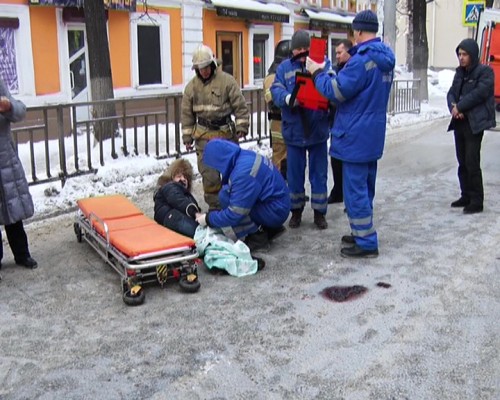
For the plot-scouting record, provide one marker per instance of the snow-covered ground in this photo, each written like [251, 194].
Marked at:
[132, 174]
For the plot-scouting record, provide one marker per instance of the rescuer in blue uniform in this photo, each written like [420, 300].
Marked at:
[361, 92]
[305, 133]
[254, 199]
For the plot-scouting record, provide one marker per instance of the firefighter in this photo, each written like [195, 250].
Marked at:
[209, 101]
[281, 52]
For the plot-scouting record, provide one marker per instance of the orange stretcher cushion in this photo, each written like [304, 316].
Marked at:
[108, 207]
[130, 231]
[120, 224]
[148, 239]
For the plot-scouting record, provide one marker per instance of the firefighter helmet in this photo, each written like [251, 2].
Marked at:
[282, 50]
[203, 57]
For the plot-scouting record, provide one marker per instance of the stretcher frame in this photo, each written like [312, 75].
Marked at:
[177, 262]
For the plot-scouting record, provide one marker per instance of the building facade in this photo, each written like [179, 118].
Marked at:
[151, 44]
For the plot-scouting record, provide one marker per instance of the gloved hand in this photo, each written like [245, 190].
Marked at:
[313, 66]
[201, 218]
[189, 146]
[241, 134]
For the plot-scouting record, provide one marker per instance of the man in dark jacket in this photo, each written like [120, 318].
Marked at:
[361, 93]
[471, 103]
[342, 56]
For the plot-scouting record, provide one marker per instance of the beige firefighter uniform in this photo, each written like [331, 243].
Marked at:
[206, 114]
[277, 143]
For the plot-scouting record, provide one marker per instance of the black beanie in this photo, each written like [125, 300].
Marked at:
[365, 21]
[300, 40]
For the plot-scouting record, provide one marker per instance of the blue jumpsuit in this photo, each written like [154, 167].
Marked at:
[253, 193]
[304, 131]
[361, 93]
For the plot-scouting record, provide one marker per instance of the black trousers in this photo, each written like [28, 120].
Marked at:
[18, 241]
[468, 151]
[337, 191]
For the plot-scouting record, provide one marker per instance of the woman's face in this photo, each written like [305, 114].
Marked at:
[180, 178]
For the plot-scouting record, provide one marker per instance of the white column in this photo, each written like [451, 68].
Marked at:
[192, 35]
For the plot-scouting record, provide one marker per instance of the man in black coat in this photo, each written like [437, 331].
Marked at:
[472, 105]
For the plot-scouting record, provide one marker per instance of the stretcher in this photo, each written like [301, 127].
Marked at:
[138, 248]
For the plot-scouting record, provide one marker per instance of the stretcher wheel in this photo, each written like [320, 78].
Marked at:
[134, 296]
[78, 232]
[189, 283]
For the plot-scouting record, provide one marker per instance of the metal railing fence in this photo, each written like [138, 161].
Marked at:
[61, 144]
[404, 97]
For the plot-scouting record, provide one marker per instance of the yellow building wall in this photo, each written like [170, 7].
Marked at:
[119, 48]
[45, 49]
[212, 23]
[175, 40]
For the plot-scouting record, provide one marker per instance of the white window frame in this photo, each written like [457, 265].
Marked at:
[315, 3]
[163, 22]
[24, 52]
[260, 30]
[334, 35]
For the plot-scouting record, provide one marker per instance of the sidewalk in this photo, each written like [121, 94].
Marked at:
[433, 334]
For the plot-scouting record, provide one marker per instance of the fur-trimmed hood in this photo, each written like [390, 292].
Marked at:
[178, 166]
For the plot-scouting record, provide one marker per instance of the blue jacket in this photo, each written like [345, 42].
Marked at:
[250, 179]
[293, 119]
[361, 92]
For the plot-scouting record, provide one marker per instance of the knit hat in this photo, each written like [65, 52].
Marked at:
[300, 40]
[365, 21]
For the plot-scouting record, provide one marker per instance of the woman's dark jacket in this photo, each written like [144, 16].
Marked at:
[174, 196]
[472, 91]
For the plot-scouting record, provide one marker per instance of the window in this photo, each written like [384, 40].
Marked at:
[149, 58]
[8, 64]
[16, 55]
[150, 50]
[261, 52]
[259, 56]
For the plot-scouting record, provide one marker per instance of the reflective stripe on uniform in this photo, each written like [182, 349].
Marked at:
[239, 210]
[360, 221]
[370, 65]
[362, 232]
[256, 166]
[336, 91]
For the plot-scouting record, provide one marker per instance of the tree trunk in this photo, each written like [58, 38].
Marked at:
[409, 38]
[420, 46]
[101, 83]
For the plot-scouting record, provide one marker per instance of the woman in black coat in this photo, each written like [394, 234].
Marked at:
[175, 207]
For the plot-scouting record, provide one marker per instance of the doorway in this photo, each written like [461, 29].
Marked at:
[229, 52]
[78, 69]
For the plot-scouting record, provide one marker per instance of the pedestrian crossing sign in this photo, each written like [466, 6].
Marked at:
[471, 11]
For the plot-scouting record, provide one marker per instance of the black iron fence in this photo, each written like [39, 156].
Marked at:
[61, 144]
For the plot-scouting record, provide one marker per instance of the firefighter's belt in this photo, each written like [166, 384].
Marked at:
[214, 124]
[274, 116]
[218, 134]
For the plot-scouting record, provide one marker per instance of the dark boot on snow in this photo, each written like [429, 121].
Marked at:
[296, 219]
[319, 220]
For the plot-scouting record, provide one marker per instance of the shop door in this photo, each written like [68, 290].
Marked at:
[78, 70]
[229, 51]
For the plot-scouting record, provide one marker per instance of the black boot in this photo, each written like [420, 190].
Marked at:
[296, 218]
[260, 263]
[257, 241]
[357, 252]
[461, 202]
[319, 220]
[473, 208]
[273, 233]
